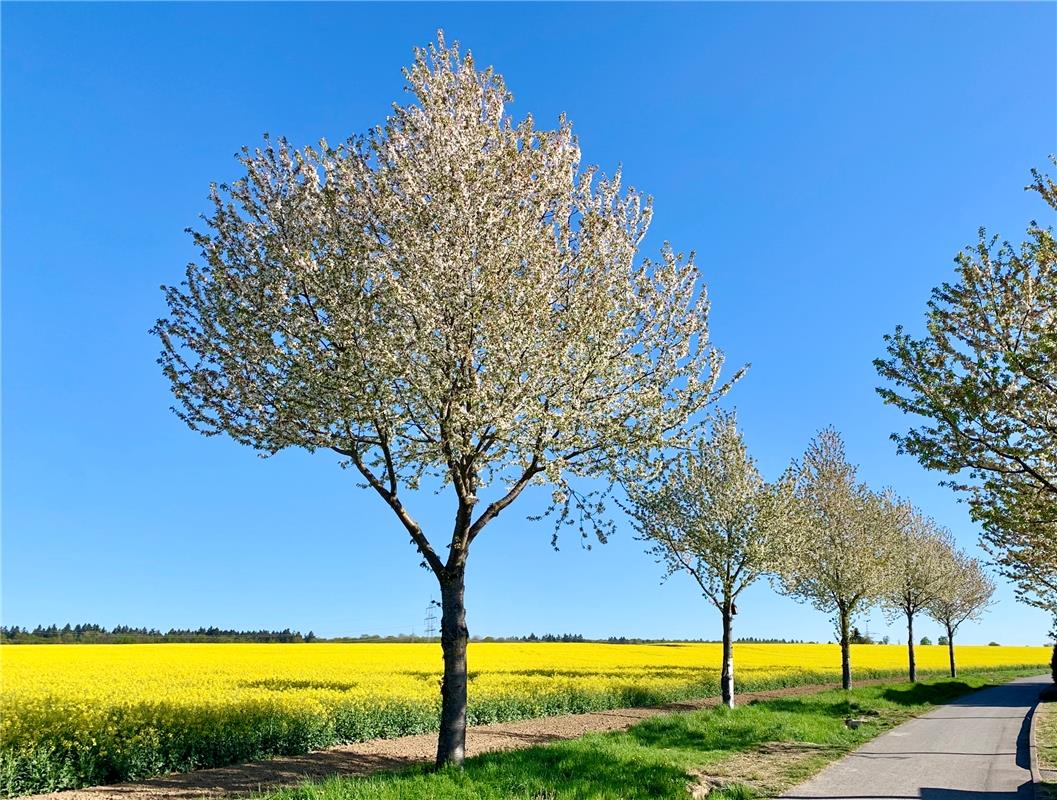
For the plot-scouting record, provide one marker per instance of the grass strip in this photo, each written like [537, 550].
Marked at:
[756, 750]
[1046, 739]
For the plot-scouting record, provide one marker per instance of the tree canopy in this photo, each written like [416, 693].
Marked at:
[451, 294]
[984, 380]
[963, 592]
[710, 514]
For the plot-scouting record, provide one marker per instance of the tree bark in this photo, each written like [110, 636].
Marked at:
[845, 649]
[726, 680]
[910, 649]
[950, 650]
[451, 743]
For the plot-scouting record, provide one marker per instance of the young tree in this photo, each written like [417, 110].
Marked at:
[451, 298]
[962, 593]
[710, 514]
[984, 378]
[835, 553]
[920, 549]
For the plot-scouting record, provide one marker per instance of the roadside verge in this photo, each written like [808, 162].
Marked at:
[1044, 770]
[773, 739]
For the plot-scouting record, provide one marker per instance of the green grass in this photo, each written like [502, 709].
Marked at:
[1047, 736]
[1046, 739]
[757, 749]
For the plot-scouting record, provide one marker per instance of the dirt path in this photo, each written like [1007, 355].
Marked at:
[375, 755]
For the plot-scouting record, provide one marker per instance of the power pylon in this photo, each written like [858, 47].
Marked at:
[431, 619]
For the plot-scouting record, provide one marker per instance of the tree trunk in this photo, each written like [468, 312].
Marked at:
[451, 743]
[845, 649]
[910, 648]
[727, 678]
[950, 650]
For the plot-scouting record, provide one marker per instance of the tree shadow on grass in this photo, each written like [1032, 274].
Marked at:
[557, 772]
[836, 707]
[930, 693]
[606, 767]
[682, 734]
[573, 772]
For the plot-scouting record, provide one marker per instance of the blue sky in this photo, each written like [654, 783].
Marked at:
[826, 162]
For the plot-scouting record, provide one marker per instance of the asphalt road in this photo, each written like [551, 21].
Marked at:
[974, 748]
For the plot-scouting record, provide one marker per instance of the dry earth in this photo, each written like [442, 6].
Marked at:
[376, 755]
[766, 769]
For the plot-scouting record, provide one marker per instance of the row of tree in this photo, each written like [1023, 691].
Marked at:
[822, 536]
[91, 633]
[454, 298]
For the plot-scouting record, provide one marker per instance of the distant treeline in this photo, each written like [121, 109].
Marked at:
[89, 633]
[553, 637]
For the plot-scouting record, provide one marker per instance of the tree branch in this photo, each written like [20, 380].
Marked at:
[413, 528]
[495, 507]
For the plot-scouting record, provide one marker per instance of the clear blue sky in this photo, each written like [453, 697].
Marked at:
[826, 161]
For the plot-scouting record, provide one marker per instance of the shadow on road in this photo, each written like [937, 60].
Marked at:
[998, 695]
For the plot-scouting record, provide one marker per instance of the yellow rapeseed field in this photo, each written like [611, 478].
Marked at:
[82, 714]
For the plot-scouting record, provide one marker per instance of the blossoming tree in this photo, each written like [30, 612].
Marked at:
[963, 593]
[921, 551]
[450, 297]
[836, 554]
[711, 515]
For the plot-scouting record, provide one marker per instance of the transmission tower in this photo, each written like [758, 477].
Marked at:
[431, 619]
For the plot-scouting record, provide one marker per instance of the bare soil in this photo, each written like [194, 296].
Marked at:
[766, 769]
[365, 758]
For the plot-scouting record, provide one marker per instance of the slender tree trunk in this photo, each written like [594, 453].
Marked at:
[950, 650]
[845, 649]
[910, 648]
[727, 678]
[451, 743]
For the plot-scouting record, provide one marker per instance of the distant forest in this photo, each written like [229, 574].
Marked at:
[89, 633]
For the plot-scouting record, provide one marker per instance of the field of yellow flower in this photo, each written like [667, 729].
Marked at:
[76, 715]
